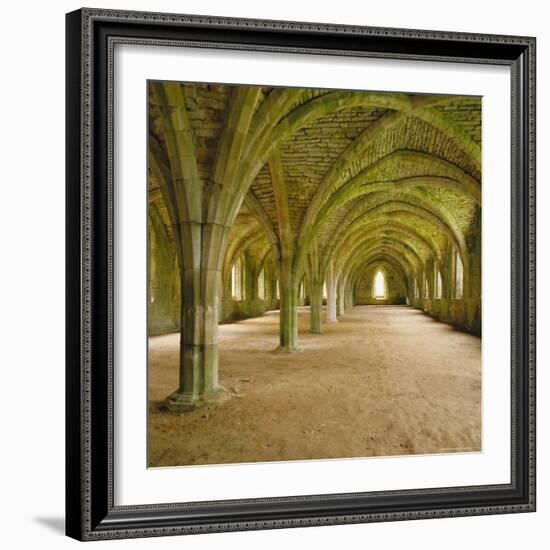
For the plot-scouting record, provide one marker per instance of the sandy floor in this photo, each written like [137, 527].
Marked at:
[384, 380]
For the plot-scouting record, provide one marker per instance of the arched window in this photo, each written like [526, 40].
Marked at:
[416, 289]
[459, 277]
[237, 280]
[261, 285]
[379, 285]
[277, 293]
[438, 285]
[301, 291]
[324, 291]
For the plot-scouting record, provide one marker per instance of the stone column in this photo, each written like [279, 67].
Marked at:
[273, 291]
[472, 281]
[250, 304]
[315, 289]
[348, 297]
[316, 303]
[340, 305]
[288, 317]
[201, 283]
[331, 294]
[250, 281]
[226, 298]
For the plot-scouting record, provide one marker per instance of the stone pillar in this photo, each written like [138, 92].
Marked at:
[331, 294]
[250, 303]
[315, 289]
[288, 318]
[348, 298]
[340, 305]
[472, 281]
[250, 281]
[276, 300]
[201, 283]
[316, 303]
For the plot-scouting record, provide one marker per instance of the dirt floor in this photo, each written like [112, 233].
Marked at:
[384, 380]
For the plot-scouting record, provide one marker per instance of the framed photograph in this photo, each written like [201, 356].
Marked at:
[300, 274]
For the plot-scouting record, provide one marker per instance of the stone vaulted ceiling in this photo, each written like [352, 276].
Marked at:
[353, 176]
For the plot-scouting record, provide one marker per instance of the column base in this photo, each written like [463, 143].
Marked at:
[189, 401]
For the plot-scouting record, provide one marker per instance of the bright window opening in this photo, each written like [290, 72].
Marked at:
[379, 285]
[237, 280]
[261, 285]
[438, 285]
[459, 278]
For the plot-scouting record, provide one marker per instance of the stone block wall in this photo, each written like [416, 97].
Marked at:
[396, 292]
[464, 313]
[164, 294]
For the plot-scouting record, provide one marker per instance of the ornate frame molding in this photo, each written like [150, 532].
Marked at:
[91, 36]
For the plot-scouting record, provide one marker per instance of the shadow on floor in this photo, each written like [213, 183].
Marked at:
[56, 524]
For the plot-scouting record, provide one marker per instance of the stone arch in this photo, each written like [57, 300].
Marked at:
[395, 283]
[380, 196]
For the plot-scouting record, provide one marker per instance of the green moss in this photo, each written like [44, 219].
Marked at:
[307, 185]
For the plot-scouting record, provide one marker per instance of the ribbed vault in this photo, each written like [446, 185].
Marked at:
[306, 190]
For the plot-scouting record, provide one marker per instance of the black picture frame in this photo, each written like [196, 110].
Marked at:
[90, 512]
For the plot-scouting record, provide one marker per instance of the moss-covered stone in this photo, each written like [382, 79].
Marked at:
[304, 188]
